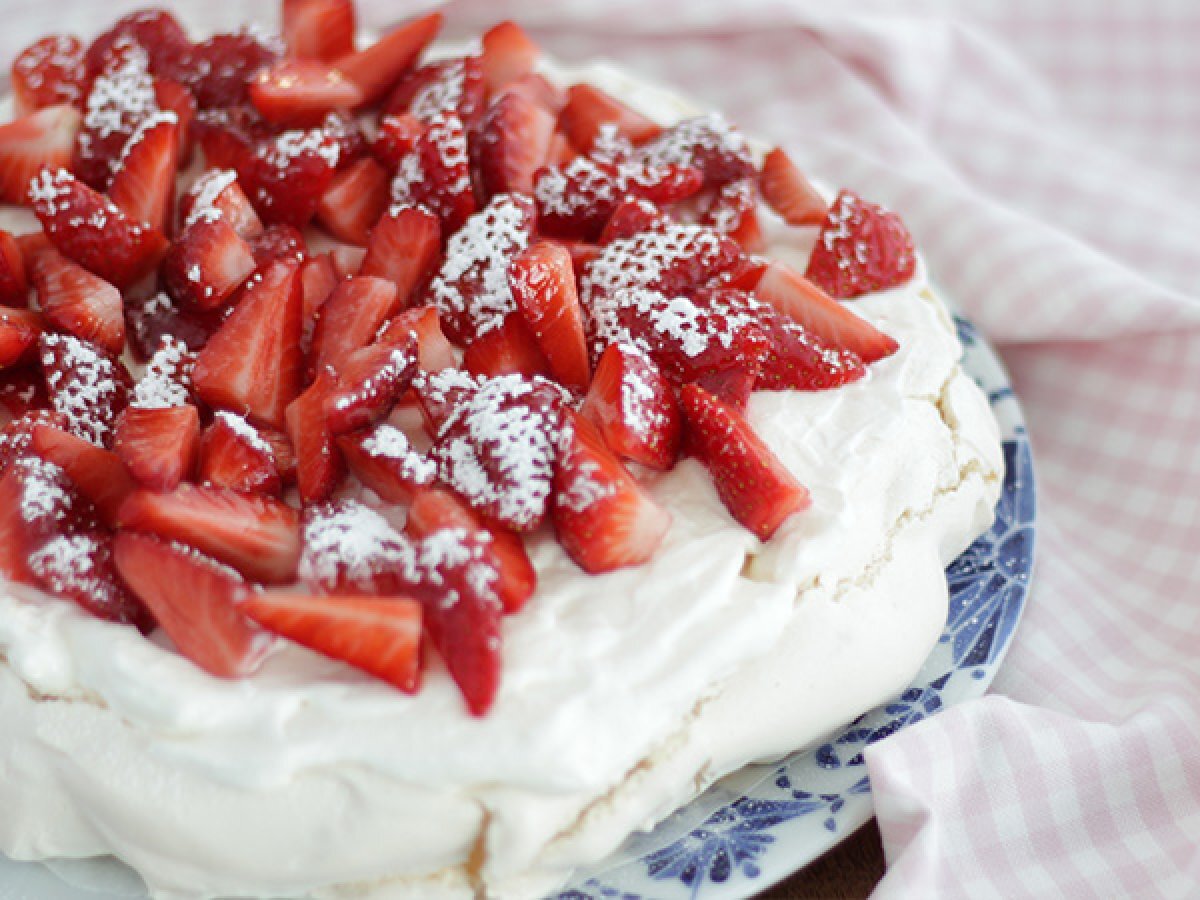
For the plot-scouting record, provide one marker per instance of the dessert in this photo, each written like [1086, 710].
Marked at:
[426, 469]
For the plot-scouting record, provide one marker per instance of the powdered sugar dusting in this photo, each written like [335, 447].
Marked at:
[245, 431]
[44, 495]
[441, 94]
[166, 383]
[84, 386]
[697, 142]
[205, 192]
[389, 442]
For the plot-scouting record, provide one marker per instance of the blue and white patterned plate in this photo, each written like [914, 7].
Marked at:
[764, 823]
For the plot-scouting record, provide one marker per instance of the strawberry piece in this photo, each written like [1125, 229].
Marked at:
[158, 445]
[634, 407]
[508, 54]
[253, 364]
[229, 137]
[732, 387]
[207, 264]
[754, 485]
[514, 143]
[707, 143]
[319, 465]
[80, 567]
[37, 503]
[440, 394]
[90, 229]
[318, 278]
[48, 72]
[860, 248]
[542, 282]
[354, 201]
[193, 598]
[155, 31]
[434, 351]
[734, 211]
[351, 549]
[173, 97]
[350, 318]
[149, 320]
[233, 454]
[821, 316]
[396, 138]
[19, 332]
[403, 248]
[220, 68]
[436, 510]
[319, 29]
[99, 474]
[78, 302]
[259, 536]
[143, 186]
[167, 380]
[589, 108]
[631, 217]
[508, 349]
[378, 67]
[603, 518]
[278, 242]
[436, 174]
[301, 92]
[87, 386]
[217, 195]
[21, 391]
[582, 254]
[285, 176]
[471, 290]
[367, 385]
[17, 435]
[44, 139]
[14, 290]
[448, 87]
[788, 192]
[282, 450]
[379, 635]
[385, 461]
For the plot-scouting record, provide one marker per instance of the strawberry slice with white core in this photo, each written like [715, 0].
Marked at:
[861, 248]
[193, 598]
[835, 325]
[259, 536]
[788, 192]
[207, 264]
[253, 364]
[78, 302]
[99, 474]
[319, 465]
[367, 385]
[88, 387]
[508, 54]
[542, 281]
[589, 108]
[514, 143]
[354, 201]
[319, 29]
[603, 518]
[755, 486]
[301, 92]
[404, 248]
[384, 460]
[378, 67]
[144, 183]
[351, 318]
[217, 195]
[634, 406]
[42, 140]
[234, 454]
[379, 635]
[508, 349]
[80, 566]
[318, 278]
[13, 286]
[434, 351]
[19, 331]
[158, 445]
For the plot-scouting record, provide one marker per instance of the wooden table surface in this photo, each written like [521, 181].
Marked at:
[850, 871]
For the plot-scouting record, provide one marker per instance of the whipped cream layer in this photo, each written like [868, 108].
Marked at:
[622, 695]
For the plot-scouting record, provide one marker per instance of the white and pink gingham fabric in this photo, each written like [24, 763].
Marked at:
[1047, 157]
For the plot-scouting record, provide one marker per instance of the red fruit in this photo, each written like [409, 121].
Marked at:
[754, 485]
[860, 248]
[17, 435]
[354, 201]
[542, 282]
[396, 138]
[379, 635]
[347, 259]
[233, 454]
[351, 549]
[87, 386]
[221, 67]
[403, 248]
[207, 264]
[631, 217]
[253, 364]
[318, 278]
[217, 195]
[173, 97]
[48, 72]
[193, 598]
[144, 184]
[508, 349]
[156, 31]
[301, 92]
[319, 465]
[158, 445]
[383, 459]
[21, 391]
[440, 394]
[368, 384]
[44, 139]
[259, 536]
[283, 451]
[588, 108]
[448, 87]
[319, 29]
[14, 290]
[508, 53]
[285, 176]
[90, 229]
[734, 211]
[821, 316]
[121, 99]
[99, 474]
[436, 174]
[148, 320]
[19, 331]
[350, 318]
[788, 192]
[37, 503]
[434, 352]
[582, 254]
[633, 405]
[514, 143]
[78, 302]
[603, 518]
[380, 66]
[80, 567]
[707, 143]
[278, 242]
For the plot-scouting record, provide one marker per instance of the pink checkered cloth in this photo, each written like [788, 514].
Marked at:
[1047, 157]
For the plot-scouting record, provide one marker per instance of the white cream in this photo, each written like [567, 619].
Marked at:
[622, 694]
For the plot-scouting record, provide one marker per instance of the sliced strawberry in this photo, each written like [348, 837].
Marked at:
[385, 461]
[90, 229]
[21, 391]
[150, 319]
[860, 248]
[220, 68]
[217, 195]
[48, 72]
[193, 598]
[350, 318]
[634, 407]
[259, 536]
[121, 100]
[37, 503]
[44, 139]
[821, 316]
[19, 332]
[396, 138]
[631, 217]
[379, 635]
[301, 92]
[155, 31]
[158, 445]
[253, 364]
[508, 54]
[434, 351]
[278, 242]
[542, 281]
[283, 451]
[582, 254]
[80, 567]
[319, 29]
[143, 186]
[380, 66]
[88, 387]
[734, 211]
[588, 108]
[754, 485]
[319, 464]
[354, 201]
[514, 143]
[351, 549]
[707, 143]
[16, 436]
[30, 245]
[368, 384]
[233, 454]
[78, 302]
[788, 192]
[436, 174]
[510, 348]
[173, 97]
[99, 474]
[447, 87]
[167, 379]
[603, 518]
[207, 264]
[347, 259]
[732, 387]
[440, 394]
[14, 289]
[285, 176]
[403, 248]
